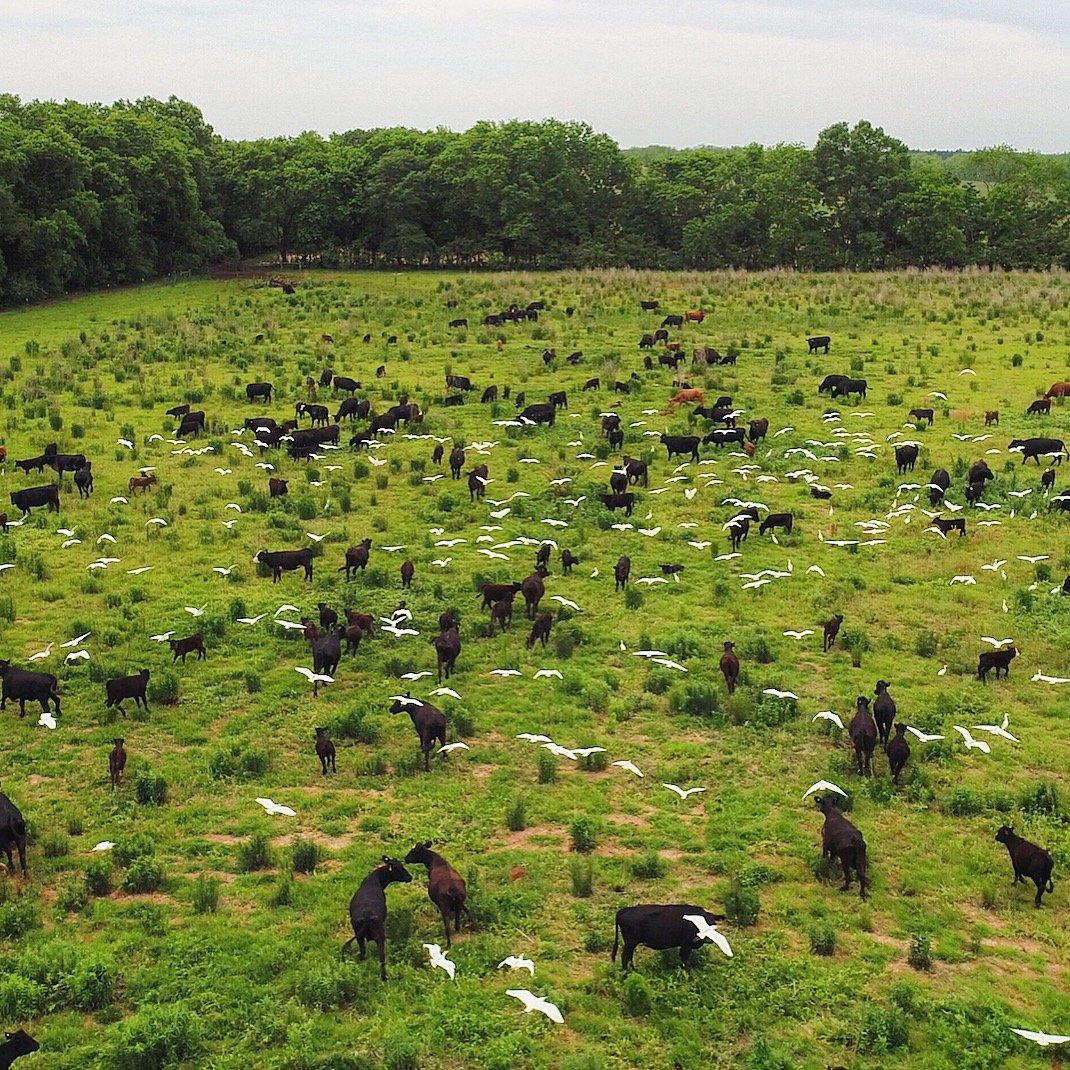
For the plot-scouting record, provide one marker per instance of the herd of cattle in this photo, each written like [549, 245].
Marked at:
[657, 926]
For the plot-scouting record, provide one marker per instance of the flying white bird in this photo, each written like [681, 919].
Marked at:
[75, 655]
[517, 962]
[450, 747]
[224, 471]
[649, 654]
[564, 602]
[824, 785]
[78, 641]
[536, 1003]
[406, 700]
[922, 736]
[700, 544]
[438, 958]
[314, 537]
[971, 743]
[105, 538]
[996, 730]
[651, 579]
[682, 792]
[1032, 560]
[802, 635]
[630, 766]
[314, 677]
[968, 580]
[706, 931]
[828, 715]
[158, 521]
[542, 673]
[651, 532]
[104, 845]
[1043, 1039]
[446, 691]
[561, 752]
[503, 672]
[669, 664]
[162, 637]
[416, 675]
[995, 642]
[193, 611]
[276, 808]
[533, 737]
[1039, 677]
[42, 654]
[779, 694]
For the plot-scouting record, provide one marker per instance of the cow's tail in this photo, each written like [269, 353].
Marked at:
[616, 939]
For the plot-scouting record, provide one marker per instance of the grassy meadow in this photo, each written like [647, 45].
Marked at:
[210, 935]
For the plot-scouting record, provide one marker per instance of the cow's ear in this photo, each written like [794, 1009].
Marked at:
[386, 859]
[427, 843]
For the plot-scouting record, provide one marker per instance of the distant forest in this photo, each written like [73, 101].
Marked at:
[94, 195]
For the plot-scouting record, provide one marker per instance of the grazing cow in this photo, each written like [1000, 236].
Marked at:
[883, 710]
[178, 410]
[621, 571]
[841, 840]
[705, 355]
[568, 559]
[849, 386]
[489, 395]
[1040, 447]
[83, 480]
[776, 520]
[821, 492]
[979, 472]
[649, 306]
[280, 561]
[317, 414]
[142, 483]
[181, 647]
[683, 445]
[974, 492]
[532, 588]
[672, 358]
[821, 342]
[521, 399]
[445, 886]
[328, 617]
[120, 688]
[730, 666]
[501, 613]
[988, 660]
[31, 464]
[991, 417]
[477, 482]
[392, 340]
[830, 383]
[694, 394]
[646, 342]
[408, 570]
[380, 372]
[456, 462]
[367, 909]
[831, 629]
[619, 501]
[1059, 390]
[540, 630]
[356, 557]
[12, 832]
[436, 454]
[661, 335]
[757, 431]
[447, 648]
[388, 421]
[22, 684]
[672, 321]
[660, 927]
[905, 456]
[428, 720]
[898, 751]
[33, 497]
[346, 384]
[495, 592]
[540, 414]
[458, 382]
[325, 750]
[730, 357]
[258, 390]
[278, 488]
[117, 761]
[693, 315]
[1041, 405]
[939, 486]
[738, 530]
[559, 399]
[863, 733]
[922, 415]
[453, 401]
[723, 436]
[353, 408]
[1027, 860]
[459, 322]
[956, 524]
[15, 1045]
[593, 384]
[610, 422]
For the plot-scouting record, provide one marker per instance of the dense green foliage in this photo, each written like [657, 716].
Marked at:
[209, 934]
[93, 195]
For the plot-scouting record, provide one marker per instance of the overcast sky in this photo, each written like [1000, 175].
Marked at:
[934, 73]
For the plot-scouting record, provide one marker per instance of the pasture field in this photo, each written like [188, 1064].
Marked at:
[210, 935]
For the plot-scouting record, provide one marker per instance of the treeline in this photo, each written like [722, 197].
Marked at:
[92, 195]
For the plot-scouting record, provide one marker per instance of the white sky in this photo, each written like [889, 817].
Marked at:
[934, 73]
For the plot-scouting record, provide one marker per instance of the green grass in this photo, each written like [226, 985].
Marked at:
[197, 942]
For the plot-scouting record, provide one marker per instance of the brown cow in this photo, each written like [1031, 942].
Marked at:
[694, 315]
[1058, 390]
[278, 487]
[692, 395]
[144, 482]
[991, 417]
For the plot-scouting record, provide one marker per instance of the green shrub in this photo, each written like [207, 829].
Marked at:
[547, 765]
[205, 897]
[159, 1035]
[127, 848]
[596, 762]
[55, 845]
[305, 856]
[1042, 798]
[741, 905]
[163, 688]
[400, 1052]
[633, 599]
[650, 867]
[583, 834]
[327, 985]
[72, 896]
[920, 955]
[21, 998]
[515, 815]
[239, 763]
[823, 938]
[254, 854]
[925, 644]
[636, 996]
[150, 788]
[93, 983]
[581, 874]
[98, 876]
[144, 874]
[695, 698]
[354, 725]
[879, 1029]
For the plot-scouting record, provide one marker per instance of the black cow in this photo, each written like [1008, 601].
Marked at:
[545, 413]
[532, 588]
[458, 382]
[317, 414]
[898, 751]
[683, 445]
[660, 926]
[863, 733]
[494, 592]
[12, 832]
[722, 436]
[459, 323]
[280, 561]
[776, 520]
[559, 399]
[621, 571]
[646, 342]
[258, 390]
[849, 386]
[661, 335]
[353, 408]
[758, 430]
[618, 480]
[593, 384]
[367, 909]
[1047, 478]
[117, 761]
[831, 628]
[191, 644]
[619, 501]
[31, 464]
[447, 650]
[738, 530]
[1040, 447]
[883, 710]
[940, 483]
[616, 438]
[730, 666]
[428, 720]
[477, 482]
[905, 456]
[356, 557]
[649, 306]
[489, 395]
[922, 415]
[325, 751]
[178, 410]
[540, 630]
[821, 342]
[15, 1045]
[830, 383]
[23, 684]
[673, 321]
[457, 458]
[956, 524]
[124, 687]
[445, 886]
[988, 660]
[83, 480]
[705, 355]
[841, 840]
[189, 426]
[568, 559]
[33, 497]
[1041, 405]
[1027, 859]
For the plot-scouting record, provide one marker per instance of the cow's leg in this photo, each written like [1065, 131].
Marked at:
[626, 955]
[1037, 881]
